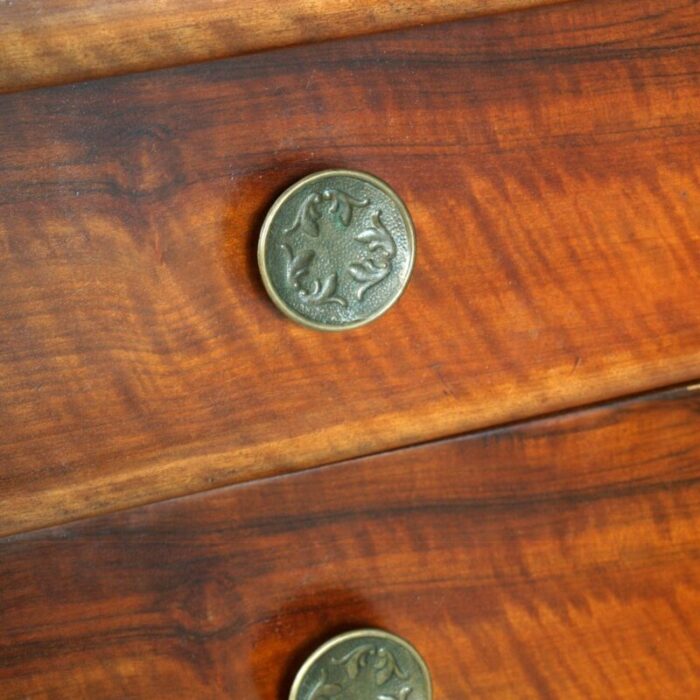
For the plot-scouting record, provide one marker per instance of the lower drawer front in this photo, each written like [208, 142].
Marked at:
[552, 559]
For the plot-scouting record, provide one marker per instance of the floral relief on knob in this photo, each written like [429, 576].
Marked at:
[364, 665]
[336, 250]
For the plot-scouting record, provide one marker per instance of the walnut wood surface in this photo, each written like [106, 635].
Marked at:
[45, 42]
[549, 159]
[553, 559]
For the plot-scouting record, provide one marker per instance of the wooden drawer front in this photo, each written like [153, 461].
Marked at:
[554, 559]
[548, 159]
[54, 41]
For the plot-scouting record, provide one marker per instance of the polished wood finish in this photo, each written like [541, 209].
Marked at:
[554, 559]
[46, 42]
[549, 161]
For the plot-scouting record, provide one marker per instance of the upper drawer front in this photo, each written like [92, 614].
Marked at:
[548, 159]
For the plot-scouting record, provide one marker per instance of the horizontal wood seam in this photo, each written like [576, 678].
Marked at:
[666, 393]
[35, 53]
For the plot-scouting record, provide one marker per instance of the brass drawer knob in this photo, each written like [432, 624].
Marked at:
[336, 250]
[363, 665]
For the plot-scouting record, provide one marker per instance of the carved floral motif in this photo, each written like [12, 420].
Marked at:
[367, 272]
[309, 214]
[369, 661]
[383, 250]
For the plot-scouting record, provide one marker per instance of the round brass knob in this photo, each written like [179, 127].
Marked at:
[363, 665]
[336, 250]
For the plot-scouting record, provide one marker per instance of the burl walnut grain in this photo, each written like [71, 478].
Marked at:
[46, 42]
[549, 160]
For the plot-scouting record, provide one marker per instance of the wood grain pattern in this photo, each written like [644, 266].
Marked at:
[554, 559]
[46, 42]
[548, 159]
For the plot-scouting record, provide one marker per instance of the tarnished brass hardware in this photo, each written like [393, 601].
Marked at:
[365, 664]
[336, 250]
